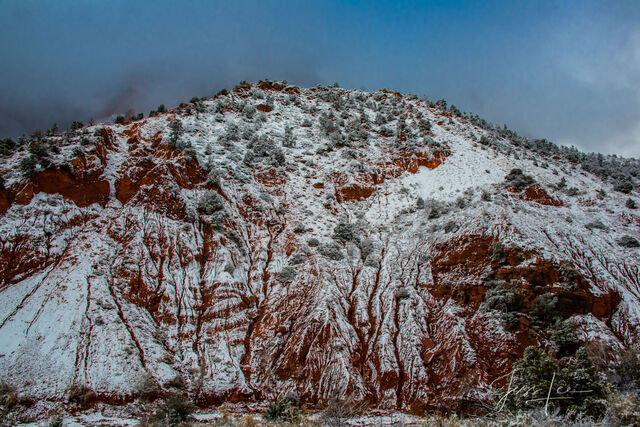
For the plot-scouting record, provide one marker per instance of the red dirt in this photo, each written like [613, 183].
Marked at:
[459, 267]
[401, 161]
[149, 183]
[535, 193]
[267, 85]
[5, 201]
[83, 190]
[271, 177]
[411, 162]
[460, 273]
[353, 192]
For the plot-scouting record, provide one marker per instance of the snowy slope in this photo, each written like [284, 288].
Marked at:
[322, 241]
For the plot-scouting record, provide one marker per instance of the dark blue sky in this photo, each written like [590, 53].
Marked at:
[566, 70]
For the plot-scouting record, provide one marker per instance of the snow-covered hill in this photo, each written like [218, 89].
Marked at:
[324, 241]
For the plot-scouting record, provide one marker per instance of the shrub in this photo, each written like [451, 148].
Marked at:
[545, 307]
[338, 411]
[573, 191]
[627, 370]
[282, 410]
[564, 335]
[77, 152]
[249, 111]
[210, 202]
[55, 421]
[403, 293]
[161, 109]
[263, 148]
[331, 251]
[28, 166]
[327, 124]
[313, 242]
[628, 242]
[175, 410]
[451, 227]
[366, 248]
[7, 146]
[435, 208]
[37, 135]
[506, 300]
[597, 224]
[178, 381]
[385, 131]
[119, 120]
[190, 153]
[461, 202]
[337, 139]
[484, 140]
[571, 386]
[277, 158]
[75, 125]
[52, 130]
[213, 178]
[175, 131]
[6, 388]
[501, 297]
[623, 185]
[231, 134]
[287, 274]
[346, 232]
[248, 158]
[579, 375]
[498, 254]
[424, 125]
[380, 119]
[80, 395]
[297, 259]
[624, 410]
[289, 139]
[562, 184]
[147, 388]
[38, 150]
[455, 111]
[517, 180]
[8, 398]
[631, 204]
[568, 273]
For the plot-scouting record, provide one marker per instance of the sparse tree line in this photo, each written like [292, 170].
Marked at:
[338, 123]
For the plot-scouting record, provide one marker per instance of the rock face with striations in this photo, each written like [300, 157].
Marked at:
[322, 241]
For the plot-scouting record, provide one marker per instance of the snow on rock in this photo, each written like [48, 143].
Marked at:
[198, 251]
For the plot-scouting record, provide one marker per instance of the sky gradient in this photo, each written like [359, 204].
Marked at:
[568, 71]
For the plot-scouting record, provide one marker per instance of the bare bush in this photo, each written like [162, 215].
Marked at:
[338, 411]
